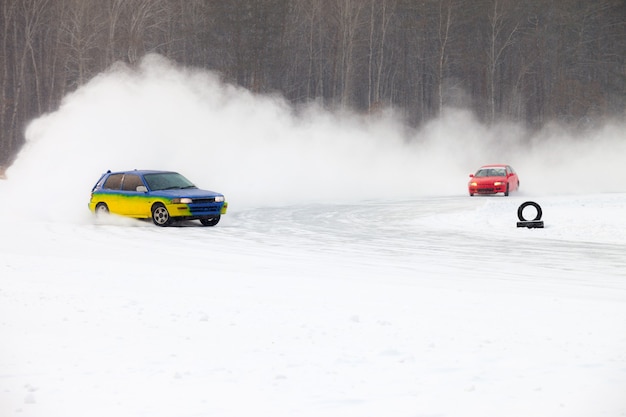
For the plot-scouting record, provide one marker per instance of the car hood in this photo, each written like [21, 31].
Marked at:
[185, 192]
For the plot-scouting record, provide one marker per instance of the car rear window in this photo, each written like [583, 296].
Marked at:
[114, 182]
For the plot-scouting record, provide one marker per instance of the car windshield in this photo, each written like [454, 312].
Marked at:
[491, 172]
[167, 181]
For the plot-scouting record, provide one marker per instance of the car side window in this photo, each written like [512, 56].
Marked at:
[114, 182]
[131, 182]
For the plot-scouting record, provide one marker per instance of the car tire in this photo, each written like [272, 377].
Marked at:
[506, 193]
[210, 221]
[101, 208]
[160, 215]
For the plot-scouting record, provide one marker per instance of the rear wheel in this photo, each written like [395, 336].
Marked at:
[102, 208]
[210, 221]
[160, 215]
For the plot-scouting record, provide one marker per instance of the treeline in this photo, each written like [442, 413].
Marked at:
[530, 61]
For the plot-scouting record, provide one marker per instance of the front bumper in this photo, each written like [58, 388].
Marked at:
[197, 210]
[487, 189]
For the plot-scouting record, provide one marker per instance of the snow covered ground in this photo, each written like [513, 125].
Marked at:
[350, 277]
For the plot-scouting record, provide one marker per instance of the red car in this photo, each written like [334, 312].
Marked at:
[493, 179]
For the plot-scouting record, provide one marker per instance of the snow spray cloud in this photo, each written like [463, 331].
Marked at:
[258, 150]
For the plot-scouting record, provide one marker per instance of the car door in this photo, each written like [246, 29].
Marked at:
[134, 198]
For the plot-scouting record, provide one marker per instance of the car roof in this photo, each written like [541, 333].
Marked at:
[141, 172]
[495, 166]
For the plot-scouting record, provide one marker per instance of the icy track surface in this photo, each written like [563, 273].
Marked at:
[428, 307]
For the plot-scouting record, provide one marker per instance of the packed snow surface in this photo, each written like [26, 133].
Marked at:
[352, 275]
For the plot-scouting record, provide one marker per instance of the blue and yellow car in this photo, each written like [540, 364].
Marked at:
[163, 196]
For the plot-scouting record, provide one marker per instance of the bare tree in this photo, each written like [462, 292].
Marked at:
[381, 16]
[501, 36]
[81, 29]
[114, 11]
[349, 24]
[30, 12]
[445, 19]
[8, 11]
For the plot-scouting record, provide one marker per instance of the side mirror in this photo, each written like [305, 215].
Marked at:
[471, 175]
[141, 189]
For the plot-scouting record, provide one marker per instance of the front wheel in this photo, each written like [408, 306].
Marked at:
[506, 193]
[210, 221]
[160, 215]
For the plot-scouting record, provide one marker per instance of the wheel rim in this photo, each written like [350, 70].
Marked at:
[160, 216]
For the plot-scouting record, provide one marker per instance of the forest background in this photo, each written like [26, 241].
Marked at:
[531, 61]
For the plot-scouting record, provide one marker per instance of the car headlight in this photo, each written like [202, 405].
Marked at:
[219, 199]
[497, 183]
[183, 200]
[474, 184]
